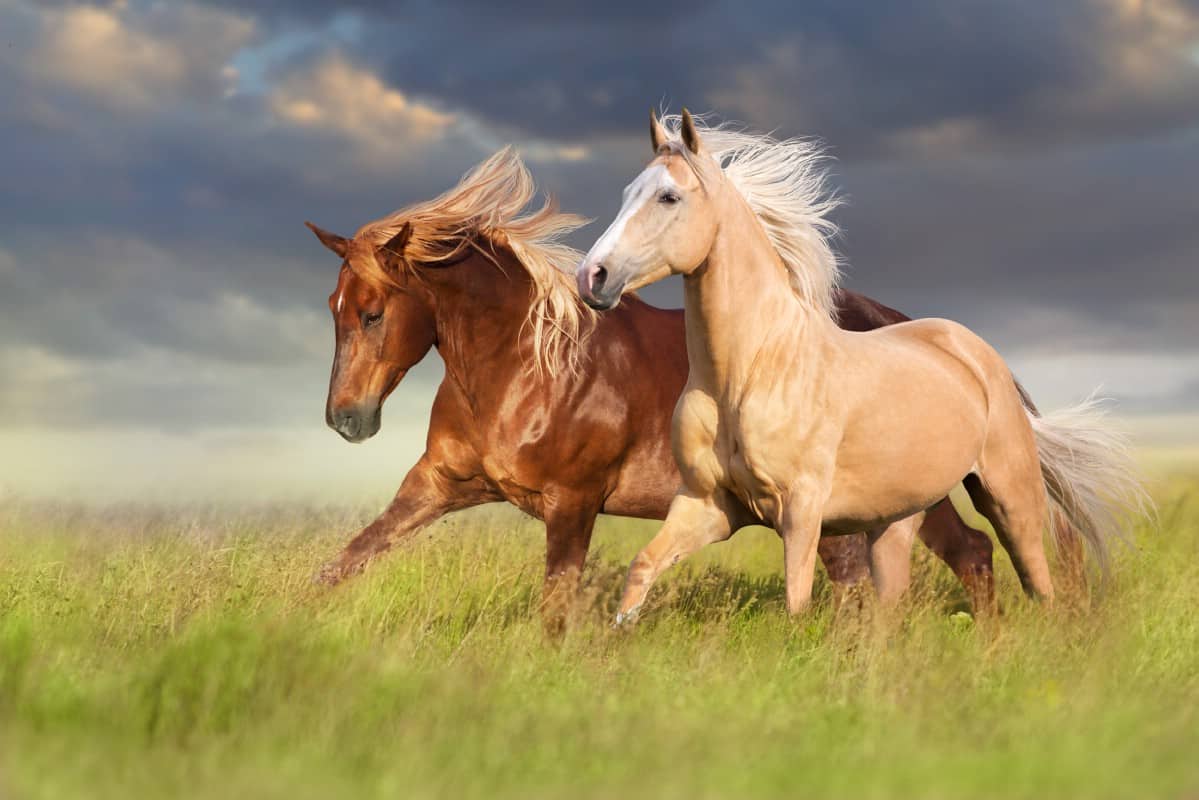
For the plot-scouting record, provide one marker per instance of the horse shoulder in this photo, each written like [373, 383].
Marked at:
[452, 442]
[694, 440]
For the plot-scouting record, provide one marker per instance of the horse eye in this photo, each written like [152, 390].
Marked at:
[668, 197]
[371, 320]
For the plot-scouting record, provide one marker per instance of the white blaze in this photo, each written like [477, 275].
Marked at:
[644, 187]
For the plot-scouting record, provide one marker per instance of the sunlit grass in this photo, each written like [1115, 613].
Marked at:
[185, 652]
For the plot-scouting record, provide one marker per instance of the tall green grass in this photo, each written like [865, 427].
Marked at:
[185, 653]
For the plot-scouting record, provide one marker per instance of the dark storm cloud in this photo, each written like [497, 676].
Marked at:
[1027, 168]
[410, 11]
[866, 76]
[154, 270]
[1107, 234]
[119, 219]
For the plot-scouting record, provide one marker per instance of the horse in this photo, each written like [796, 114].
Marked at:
[789, 419]
[544, 404]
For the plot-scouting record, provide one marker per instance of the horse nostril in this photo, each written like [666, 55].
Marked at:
[347, 424]
[598, 277]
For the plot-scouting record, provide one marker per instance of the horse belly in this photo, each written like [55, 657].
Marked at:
[648, 481]
[850, 509]
[887, 471]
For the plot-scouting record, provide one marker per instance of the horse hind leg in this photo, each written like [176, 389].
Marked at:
[967, 552]
[1014, 502]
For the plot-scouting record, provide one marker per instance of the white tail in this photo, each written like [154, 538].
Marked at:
[1090, 475]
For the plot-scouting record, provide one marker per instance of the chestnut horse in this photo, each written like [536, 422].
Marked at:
[787, 418]
[524, 413]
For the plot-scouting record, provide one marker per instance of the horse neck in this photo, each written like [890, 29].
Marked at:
[481, 307]
[740, 302]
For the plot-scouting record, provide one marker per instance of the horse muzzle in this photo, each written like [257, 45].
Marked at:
[597, 287]
[356, 423]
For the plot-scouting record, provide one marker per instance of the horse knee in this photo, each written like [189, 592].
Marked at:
[640, 568]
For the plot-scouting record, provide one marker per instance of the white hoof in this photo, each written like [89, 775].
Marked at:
[624, 618]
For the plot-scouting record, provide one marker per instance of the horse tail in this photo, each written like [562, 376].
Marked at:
[1091, 478]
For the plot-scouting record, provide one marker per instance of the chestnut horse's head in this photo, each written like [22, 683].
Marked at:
[383, 329]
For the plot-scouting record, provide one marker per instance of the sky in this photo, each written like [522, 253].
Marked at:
[1030, 169]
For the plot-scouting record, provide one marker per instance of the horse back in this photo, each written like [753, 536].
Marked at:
[857, 312]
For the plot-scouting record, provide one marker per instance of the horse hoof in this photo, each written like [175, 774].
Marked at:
[625, 619]
[329, 575]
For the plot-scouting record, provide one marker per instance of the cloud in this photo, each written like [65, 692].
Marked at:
[932, 77]
[132, 60]
[384, 125]
[101, 298]
[1036, 249]
[1026, 168]
[939, 77]
[334, 95]
[873, 79]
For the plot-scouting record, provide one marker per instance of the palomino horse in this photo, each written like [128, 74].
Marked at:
[515, 417]
[788, 419]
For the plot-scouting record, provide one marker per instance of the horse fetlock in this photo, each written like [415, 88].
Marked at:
[798, 601]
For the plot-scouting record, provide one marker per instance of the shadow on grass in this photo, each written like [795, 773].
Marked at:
[699, 595]
[715, 592]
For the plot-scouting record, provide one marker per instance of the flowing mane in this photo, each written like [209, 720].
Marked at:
[487, 204]
[785, 182]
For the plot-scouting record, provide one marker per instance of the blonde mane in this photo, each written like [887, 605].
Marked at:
[487, 203]
[786, 184]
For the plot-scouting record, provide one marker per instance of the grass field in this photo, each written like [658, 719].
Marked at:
[184, 653]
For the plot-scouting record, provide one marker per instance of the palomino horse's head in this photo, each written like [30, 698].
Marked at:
[666, 225]
[382, 329]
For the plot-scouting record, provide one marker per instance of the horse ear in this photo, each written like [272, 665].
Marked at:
[338, 244]
[396, 244]
[657, 134]
[690, 135]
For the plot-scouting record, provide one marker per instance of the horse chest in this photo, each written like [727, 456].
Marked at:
[695, 441]
[516, 458]
[753, 473]
[719, 449]
[516, 485]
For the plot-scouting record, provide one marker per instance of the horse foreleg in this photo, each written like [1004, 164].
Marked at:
[891, 558]
[425, 495]
[800, 529]
[569, 522]
[692, 522]
[800, 525]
